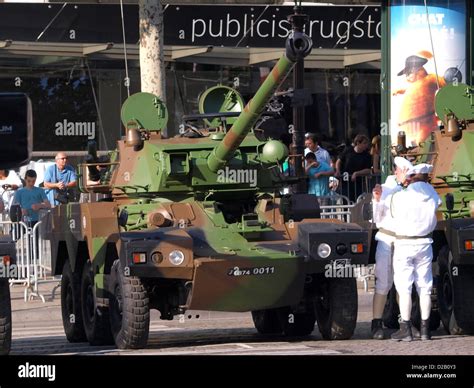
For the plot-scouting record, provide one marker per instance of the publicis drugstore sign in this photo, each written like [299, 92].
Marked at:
[267, 26]
[349, 27]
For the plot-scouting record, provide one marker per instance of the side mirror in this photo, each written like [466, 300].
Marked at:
[449, 199]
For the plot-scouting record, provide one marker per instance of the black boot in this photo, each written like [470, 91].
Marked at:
[377, 330]
[415, 332]
[404, 334]
[425, 330]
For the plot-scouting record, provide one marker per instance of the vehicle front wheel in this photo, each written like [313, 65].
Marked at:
[129, 309]
[336, 307]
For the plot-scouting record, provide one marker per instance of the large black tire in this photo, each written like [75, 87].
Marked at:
[298, 324]
[391, 311]
[336, 308]
[5, 318]
[71, 305]
[129, 309]
[267, 321]
[455, 295]
[95, 318]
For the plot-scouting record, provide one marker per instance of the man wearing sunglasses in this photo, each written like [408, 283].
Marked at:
[58, 179]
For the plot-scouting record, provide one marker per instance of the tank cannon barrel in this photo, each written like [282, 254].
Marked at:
[298, 46]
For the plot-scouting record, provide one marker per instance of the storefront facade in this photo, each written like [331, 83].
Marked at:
[69, 58]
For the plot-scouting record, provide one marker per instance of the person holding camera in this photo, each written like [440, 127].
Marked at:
[58, 179]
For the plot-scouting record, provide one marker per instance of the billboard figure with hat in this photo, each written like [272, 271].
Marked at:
[427, 51]
[417, 117]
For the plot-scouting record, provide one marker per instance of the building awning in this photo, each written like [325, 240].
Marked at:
[41, 53]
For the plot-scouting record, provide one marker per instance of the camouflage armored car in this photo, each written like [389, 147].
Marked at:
[197, 222]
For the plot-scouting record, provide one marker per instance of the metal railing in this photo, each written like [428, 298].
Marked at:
[32, 258]
[354, 189]
[335, 207]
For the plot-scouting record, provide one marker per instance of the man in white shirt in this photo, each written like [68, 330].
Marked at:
[385, 238]
[414, 214]
[312, 145]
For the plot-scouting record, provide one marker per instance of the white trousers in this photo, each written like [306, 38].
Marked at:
[383, 268]
[412, 264]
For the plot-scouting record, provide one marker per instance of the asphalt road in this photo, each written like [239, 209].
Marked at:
[37, 330]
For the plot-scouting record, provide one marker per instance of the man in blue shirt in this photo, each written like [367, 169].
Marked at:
[31, 198]
[319, 173]
[312, 145]
[59, 178]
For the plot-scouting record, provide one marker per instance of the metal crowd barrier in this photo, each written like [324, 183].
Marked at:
[353, 190]
[335, 206]
[32, 253]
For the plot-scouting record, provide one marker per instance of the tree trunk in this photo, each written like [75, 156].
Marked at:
[152, 61]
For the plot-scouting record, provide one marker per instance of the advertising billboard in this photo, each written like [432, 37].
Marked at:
[428, 50]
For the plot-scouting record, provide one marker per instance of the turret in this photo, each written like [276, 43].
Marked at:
[202, 165]
[298, 45]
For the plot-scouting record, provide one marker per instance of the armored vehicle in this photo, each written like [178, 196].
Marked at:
[197, 222]
[15, 149]
[449, 150]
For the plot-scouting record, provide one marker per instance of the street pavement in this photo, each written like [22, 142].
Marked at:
[37, 329]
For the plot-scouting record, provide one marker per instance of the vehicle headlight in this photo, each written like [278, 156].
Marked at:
[324, 250]
[176, 257]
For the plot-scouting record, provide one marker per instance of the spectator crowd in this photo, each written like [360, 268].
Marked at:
[23, 198]
[350, 172]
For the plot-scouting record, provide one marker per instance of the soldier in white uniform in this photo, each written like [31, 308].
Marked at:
[385, 238]
[414, 213]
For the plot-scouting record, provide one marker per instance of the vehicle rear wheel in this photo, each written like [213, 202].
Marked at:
[267, 321]
[336, 307]
[5, 318]
[455, 294]
[71, 305]
[95, 318]
[129, 309]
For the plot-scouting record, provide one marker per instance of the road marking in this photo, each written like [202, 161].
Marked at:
[245, 346]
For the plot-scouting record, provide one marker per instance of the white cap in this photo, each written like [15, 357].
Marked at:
[422, 168]
[402, 162]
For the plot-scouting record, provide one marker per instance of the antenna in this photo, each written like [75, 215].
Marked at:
[432, 44]
[127, 78]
